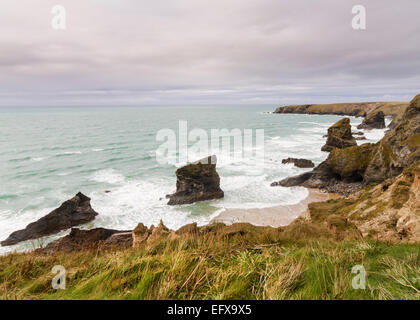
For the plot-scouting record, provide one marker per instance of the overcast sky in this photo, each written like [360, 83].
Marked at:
[195, 52]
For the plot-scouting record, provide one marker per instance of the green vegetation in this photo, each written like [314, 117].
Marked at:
[258, 264]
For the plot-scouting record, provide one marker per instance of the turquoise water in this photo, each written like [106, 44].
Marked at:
[49, 154]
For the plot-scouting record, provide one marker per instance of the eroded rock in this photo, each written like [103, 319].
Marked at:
[89, 239]
[73, 212]
[339, 136]
[374, 120]
[198, 181]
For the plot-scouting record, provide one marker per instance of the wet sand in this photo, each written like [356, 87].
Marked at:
[275, 216]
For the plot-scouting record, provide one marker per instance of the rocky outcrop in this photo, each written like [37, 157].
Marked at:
[389, 211]
[140, 234]
[374, 120]
[89, 239]
[339, 136]
[300, 163]
[73, 212]
[346, 170]
[198, 181]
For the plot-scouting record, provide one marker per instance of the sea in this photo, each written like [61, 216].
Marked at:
[48, 154]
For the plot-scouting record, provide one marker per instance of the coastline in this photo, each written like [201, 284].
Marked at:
[275, 217]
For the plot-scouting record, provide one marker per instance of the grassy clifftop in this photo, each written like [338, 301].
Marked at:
[312, 258]
[251, 264]
[352, 109]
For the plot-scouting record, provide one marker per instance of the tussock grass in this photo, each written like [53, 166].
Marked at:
[258, 264]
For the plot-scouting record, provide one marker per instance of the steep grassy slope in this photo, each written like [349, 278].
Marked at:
[253, 265]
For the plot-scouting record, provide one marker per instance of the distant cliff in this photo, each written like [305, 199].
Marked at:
[348, 109]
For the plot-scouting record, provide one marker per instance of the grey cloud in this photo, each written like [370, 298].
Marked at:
[206, 52]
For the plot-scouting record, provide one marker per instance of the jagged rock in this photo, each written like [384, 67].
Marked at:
[361, 138]
[374, 120]
[89, 239]
[140, 234]
[73, 212]
[158, 233]
[197, 181]
[300, 163]
[399, 148]
[339, 136]
[358, 133]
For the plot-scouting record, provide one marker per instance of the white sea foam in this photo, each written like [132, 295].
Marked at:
[137, 191]
[110, 176]
[68, 153]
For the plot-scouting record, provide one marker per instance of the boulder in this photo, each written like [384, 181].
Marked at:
[300, 163]
[339, 136]
[197, 181]
[374, 120]
[89, 239]
[73, 212]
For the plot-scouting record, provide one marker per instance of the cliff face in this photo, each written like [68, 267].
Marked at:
[349, 109]
[387, 158]
[389, 211]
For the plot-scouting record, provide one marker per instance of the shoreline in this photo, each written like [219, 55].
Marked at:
[278, 216]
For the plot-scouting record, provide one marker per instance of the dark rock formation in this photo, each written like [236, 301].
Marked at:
[358, 133]
[361, 138]
[293, 181]
[197, 181]
[73, 212]
[89, 239]
[339, 136]
[300, 163]
[374, 120]
[346, 170]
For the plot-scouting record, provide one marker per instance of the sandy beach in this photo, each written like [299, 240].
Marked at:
[275, 216]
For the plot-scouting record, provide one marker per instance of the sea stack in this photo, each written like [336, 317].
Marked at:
[73, 212]
[197, 181]
[374, 120]
[339, 136]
